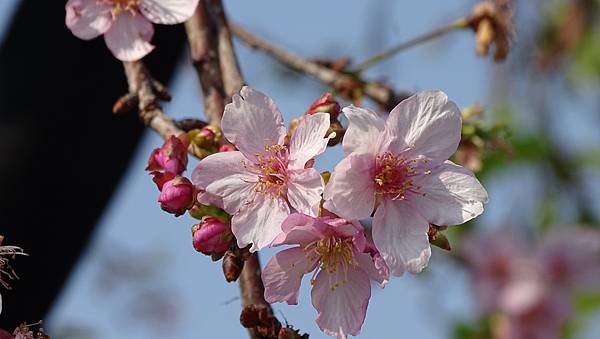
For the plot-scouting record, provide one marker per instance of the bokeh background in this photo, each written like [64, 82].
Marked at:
[137, 275]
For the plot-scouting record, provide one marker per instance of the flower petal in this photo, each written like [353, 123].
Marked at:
[364, 130]
[228, 175]
[87, 19]
[400, 235]
[350, 192]
[259, 223]
[427, 123]
[128, 37]
[283, 274]
[367, 264]
[251, 122]
[304, 191]
[452, 195]
[341, 309]
[168, 12]
[300, 229]
[308, 139]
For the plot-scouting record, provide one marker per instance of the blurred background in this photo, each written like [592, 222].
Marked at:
[106, 262]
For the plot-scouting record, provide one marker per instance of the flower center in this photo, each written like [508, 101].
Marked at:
[120, 6]
[332, 254]
[272, 179]
[393, 176]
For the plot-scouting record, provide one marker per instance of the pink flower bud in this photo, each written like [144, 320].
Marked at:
[326, 104]
[171, 157]
[212, 236]
[227, 148]
[176, 195]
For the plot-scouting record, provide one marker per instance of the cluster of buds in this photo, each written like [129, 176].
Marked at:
[492, 22]
[207, 140]
[324, 104]
[212, 237]
[166, 165]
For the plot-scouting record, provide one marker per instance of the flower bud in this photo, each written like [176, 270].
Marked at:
[208, 137]
[232, 266]
[227, 148]
[176, 195]
[212, 236]
[171, 157]
[326, 104]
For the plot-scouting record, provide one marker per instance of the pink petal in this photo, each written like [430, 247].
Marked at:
[128, 37]
[341, 310]
[87, 19]
[367, 264]
[251, 122]
[259, 223]
[308, 139]
[304, 191]
[400, 235]
[453, 195]
[224, 175]
[364, 130]
[168, 12]
[283, 274]
[350, 192]
[300, 229]
[428, 123]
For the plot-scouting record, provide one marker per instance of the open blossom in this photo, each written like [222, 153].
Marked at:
[342, 264]
[126, 24]
[400, 167]
[263, 182]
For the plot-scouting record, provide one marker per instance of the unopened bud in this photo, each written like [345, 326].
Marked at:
[208, 137]
[227, 148]
[171, 157]
[326, 104]
[437, 238]
[212, 236]
[337, 128]
[232, 266]
[177, 195]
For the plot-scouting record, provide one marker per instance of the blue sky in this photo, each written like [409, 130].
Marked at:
[152, 264]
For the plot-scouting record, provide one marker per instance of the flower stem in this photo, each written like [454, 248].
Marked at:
[377, 58]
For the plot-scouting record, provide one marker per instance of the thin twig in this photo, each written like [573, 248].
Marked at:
[377, 58]
[202, 37]
[384, 96]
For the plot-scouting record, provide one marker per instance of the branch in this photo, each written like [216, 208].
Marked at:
[384, 96]
[202, 37]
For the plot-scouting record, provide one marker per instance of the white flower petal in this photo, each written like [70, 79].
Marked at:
[259, 223]
[87, 19]
[304, 191]
[453, 195]
[426, 122]
[400, 235]
[128, 37]
[283, 274]
[308, 139]
[168, 12]
[251, 122]
[364, 130]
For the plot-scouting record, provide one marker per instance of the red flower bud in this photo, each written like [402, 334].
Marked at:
[176, 195]
[325, 103]
[171, 157]
[212, 236]
[227, 148]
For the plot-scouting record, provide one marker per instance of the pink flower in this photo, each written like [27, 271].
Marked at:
[171, 157]
[176, 195]
[334, 250]
[126, 24]
[212, 236]
[263, 182]
[400, 167]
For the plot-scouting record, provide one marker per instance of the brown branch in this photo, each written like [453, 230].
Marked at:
[230, 69]
[202, 37]
[383, 95]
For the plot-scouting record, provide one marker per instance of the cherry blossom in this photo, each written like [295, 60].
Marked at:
[126, 24]
[266, 180]
[342, 265]
[399, 167]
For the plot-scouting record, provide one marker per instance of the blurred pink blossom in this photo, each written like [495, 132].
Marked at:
[126, 24]
[399, 167]
[335, 250]
[263, 182]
